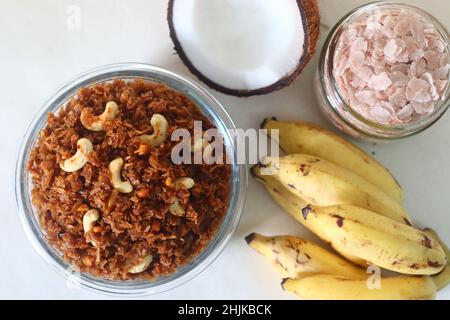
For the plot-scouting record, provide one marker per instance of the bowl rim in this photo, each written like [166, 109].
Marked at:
[239, 179]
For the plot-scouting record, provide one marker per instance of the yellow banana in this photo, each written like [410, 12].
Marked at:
[442, 279]
[294, 205]
[301, 137]
[378, 239]
[322, 183]
[330, 287]
[294, 257]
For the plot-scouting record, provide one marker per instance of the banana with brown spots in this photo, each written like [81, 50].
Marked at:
[323, 183]
[302, 137]
[294, 257]
[378, 239]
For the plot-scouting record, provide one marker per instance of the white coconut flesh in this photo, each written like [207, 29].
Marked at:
[240, 45]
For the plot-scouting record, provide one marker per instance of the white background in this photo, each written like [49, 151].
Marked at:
[38, 53]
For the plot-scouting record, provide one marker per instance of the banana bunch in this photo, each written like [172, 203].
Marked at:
[353, 203]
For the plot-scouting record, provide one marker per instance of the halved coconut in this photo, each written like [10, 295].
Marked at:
[244, 47]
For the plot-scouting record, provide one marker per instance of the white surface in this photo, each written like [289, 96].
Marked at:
[39, 53]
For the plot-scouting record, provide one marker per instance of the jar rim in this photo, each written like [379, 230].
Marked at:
[327, 58]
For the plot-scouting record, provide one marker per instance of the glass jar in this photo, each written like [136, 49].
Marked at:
[210, 107]
[340, 112]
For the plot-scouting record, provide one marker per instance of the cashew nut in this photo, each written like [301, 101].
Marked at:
[96, 123]
[202, 144]
[199, 144]
[142, 266]
[76, 162]
[89, 219]
[181, 183]
[115, 169]
[176, 209]
[160, 128]
[184, 183]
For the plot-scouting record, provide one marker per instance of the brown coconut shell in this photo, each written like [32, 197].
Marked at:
[309, 10]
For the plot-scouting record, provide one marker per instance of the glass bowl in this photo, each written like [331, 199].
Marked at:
[342, 115]
[207, 104]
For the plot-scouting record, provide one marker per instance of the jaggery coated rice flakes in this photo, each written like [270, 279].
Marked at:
[132, 225]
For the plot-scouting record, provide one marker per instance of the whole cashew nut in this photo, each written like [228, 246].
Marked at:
[89, 219]
[142, 266]
[76, 162]
[115, 169]
[160, 128]
[96, 123]
[181, 183]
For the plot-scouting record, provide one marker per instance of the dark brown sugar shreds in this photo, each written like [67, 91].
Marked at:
[137, 224]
